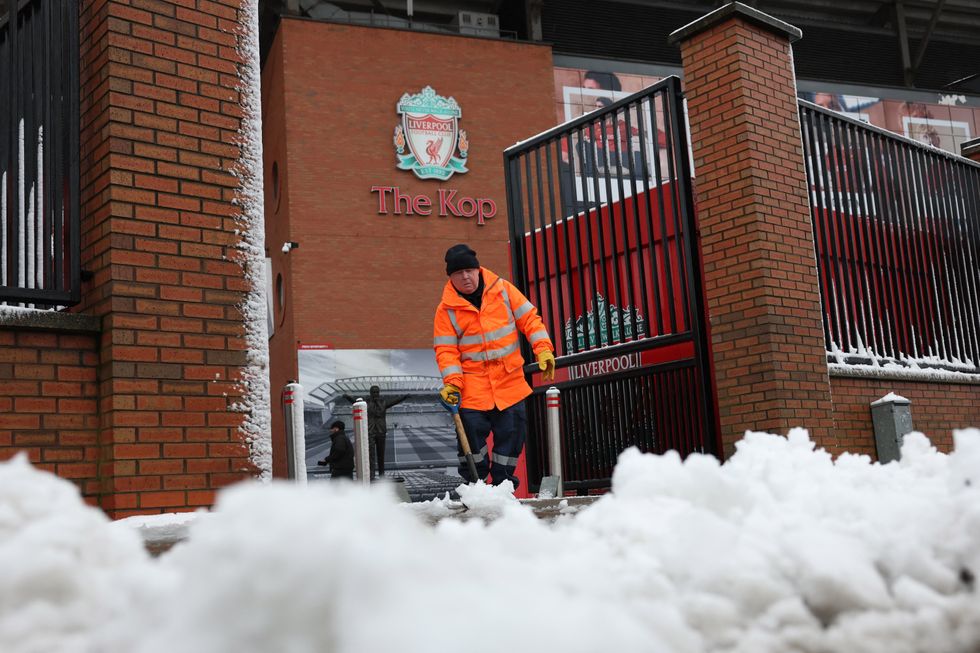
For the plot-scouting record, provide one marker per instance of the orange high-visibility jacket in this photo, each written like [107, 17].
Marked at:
[478, 350]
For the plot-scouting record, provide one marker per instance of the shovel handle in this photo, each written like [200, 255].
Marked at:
[465, 444]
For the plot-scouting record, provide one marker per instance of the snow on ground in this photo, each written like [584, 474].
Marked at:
[779, 549]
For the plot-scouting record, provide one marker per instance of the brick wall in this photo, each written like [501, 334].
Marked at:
[49, 402]
[360, 279]
[160, 119]
[760, 282]
[937, 409]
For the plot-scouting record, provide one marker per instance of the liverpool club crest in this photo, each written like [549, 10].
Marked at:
[430, 130]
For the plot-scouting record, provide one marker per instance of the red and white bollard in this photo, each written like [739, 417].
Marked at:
[552, 402]
[362, 446]
[292, 404]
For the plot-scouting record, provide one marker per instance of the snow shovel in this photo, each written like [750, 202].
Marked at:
[464, 442]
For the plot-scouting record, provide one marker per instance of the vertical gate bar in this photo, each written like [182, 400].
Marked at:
[582, 219]
[912, 261]
[601, 393]
[843, 291]
[958, 236]
[530, 231]
[684, 423]
[50, 280]
[905, 308]
[665, 247]
[18, 107]
[72, 205]
[867, 235]
[824, 151]
[933, 215]
[886, 226]
[679, 160]
[818, 210]
[573, 439]
[971, 190]
[600, 408]
[626, 289]
[59, 126]
[853, 233]
[591, 436]
[660, 403]
[626, 434]
[840, 234]
[605, 335]
[612, 207]
[554, 291]
[568, 220]
[547, 215]
[695, 284]
[921, 231]
[951, 253]
[956, 253]
[648, 202]
[593, 212]
[862, 302]
[36, 135]
[640, 265]
[970, 264]
[29, 150]
[650, 435]
[515, 217]
[6, 163]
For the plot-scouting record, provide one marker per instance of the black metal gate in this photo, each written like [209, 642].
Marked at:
[39, 154]
[603, 242]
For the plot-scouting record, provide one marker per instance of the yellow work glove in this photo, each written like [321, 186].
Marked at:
[546, 363]
[449, 394]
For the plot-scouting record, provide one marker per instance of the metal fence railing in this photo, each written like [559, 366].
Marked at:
[603, 242]
[897, 230]
[39, 154]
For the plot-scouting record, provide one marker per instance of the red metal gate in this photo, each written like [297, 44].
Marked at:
[603, 242]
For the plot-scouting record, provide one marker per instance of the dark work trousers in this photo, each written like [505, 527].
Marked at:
[376, 453]
[342, 475]
[509, 427]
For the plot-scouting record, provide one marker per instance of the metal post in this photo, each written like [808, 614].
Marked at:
[891, 418]
[292, 400]
[362, 445]
[552, 401]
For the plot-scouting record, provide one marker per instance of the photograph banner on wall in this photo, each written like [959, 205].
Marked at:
[420, 439]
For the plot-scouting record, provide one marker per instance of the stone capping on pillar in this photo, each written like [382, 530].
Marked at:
[731, 10]
[42, 320]
[971, 149]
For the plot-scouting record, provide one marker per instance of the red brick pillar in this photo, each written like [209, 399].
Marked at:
[161, 115]
[760, 277]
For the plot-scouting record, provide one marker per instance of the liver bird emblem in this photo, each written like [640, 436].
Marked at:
[432, 148]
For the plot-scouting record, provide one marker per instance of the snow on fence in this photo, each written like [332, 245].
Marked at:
[897, 230]
[39, 153]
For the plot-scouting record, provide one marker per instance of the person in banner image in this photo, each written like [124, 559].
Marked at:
[341, 456]
[377, 411]
[475, 337]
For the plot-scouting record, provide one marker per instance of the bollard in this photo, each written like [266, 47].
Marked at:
[292, 402]
[362, 445]
[891, 417]
[552, 402]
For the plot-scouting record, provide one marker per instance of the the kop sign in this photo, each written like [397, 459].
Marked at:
[429, 142]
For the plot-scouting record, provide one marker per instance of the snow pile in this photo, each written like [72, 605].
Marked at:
[65, 570]
[779, 549]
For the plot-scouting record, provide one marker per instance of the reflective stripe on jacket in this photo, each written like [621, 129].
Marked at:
[478, 351]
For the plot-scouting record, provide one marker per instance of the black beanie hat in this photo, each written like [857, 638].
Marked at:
[338, 425]
[460, 257]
